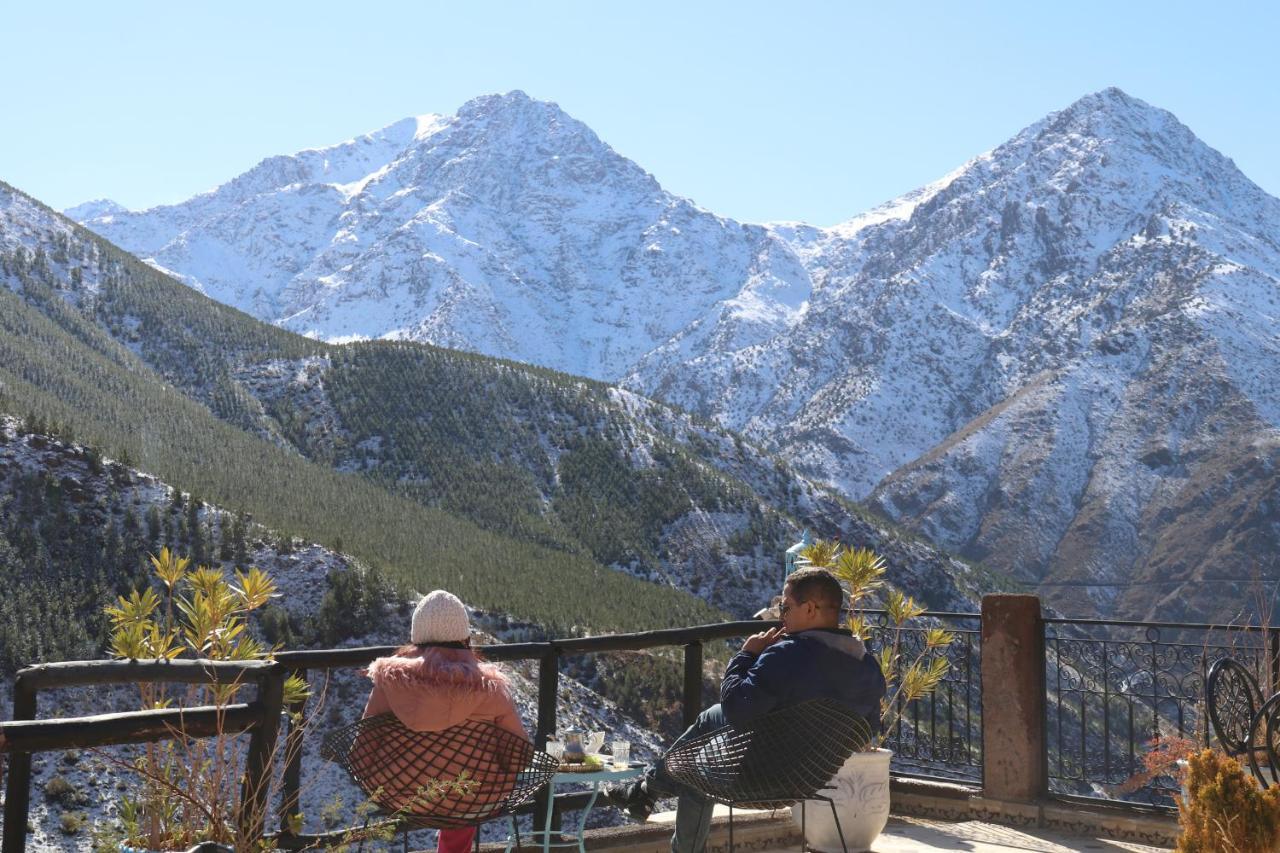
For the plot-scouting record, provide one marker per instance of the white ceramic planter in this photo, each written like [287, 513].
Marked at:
[861, 795]
[1183, 798]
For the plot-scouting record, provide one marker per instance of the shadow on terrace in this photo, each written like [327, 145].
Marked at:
[1025, 745]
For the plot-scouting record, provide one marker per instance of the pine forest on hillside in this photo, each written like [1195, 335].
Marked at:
[58, 365]
[437, 467]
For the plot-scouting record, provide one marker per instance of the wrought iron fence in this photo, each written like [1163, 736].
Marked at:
[939, 736]
[1115, 689]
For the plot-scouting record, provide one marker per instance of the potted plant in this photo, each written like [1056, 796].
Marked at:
[913, 659]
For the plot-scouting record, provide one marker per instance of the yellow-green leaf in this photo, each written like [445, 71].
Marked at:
[169, 567]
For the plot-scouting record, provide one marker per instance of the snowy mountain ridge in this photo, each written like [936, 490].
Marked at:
[989, 359]
[508, 229]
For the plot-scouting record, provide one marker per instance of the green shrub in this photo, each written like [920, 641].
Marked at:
[71, 822]
[59, 790]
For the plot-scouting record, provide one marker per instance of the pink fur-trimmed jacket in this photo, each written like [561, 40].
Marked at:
[432, 689]
[435, 688]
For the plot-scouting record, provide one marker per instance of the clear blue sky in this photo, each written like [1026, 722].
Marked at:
[759, 111]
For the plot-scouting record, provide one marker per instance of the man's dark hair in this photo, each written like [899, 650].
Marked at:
[816, 585]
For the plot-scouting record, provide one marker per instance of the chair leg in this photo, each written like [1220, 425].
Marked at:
[804, 835]
[478, 828]
[404, 840]
[839, 830]
[731, 848]
[364, 833]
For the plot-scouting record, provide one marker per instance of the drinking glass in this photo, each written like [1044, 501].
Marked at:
[621, 754]
[555, 749]
[595, 742]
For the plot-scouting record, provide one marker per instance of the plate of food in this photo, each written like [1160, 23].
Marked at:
[589, 764]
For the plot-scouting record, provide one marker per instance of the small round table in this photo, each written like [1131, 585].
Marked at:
[595, 778]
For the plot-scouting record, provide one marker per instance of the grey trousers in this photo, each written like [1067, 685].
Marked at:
[693, 809]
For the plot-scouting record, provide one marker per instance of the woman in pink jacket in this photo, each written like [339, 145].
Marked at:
[434, 683]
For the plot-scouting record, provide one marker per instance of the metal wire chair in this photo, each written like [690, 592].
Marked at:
[1235, 710]
[462, 776]
[785, 757]
[1266, 742]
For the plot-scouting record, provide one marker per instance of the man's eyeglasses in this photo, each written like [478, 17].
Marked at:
[784, 608]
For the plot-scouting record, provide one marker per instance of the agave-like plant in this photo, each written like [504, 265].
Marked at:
[912, 673]
[189, 788]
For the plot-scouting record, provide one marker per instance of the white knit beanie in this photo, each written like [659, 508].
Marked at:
[440, 617]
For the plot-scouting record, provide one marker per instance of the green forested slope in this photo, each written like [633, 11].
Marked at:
[76, 529]
[531, 453]
[58, 365]
[512, 484]
[546, 460]
[544, 457]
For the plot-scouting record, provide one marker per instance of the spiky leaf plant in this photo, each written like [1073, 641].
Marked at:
[910, 674]
[189, 788]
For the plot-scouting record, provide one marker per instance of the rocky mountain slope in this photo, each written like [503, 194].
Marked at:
[579, 466]
[43, 477]
[1059, 359]
[139, 365]
[562, 475]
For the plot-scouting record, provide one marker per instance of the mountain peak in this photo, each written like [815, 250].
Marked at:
[94, 209]
[513, 103]
[1113, 114]
[1111, 98]
[397, 134]
[510, 128]
[1121, 145]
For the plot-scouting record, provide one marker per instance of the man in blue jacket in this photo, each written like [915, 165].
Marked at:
[808, 657]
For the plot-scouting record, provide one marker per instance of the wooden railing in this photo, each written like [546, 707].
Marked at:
[261, 717]
[26, 735]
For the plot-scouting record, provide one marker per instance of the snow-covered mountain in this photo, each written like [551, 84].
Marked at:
[508, 229]
[1060, 358]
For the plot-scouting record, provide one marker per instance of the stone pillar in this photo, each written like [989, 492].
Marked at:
[1013, 699]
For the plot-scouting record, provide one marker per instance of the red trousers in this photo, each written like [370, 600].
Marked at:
[456, 840]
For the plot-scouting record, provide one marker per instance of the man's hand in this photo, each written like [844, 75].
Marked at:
[757, 643]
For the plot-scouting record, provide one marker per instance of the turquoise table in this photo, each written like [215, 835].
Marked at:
[595, 779]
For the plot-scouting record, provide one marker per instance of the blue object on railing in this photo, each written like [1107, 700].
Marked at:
[793, 552]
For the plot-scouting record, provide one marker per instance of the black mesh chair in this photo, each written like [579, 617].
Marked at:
[462, 776]
[1265, 738]
[785, 757]
[1235, 705]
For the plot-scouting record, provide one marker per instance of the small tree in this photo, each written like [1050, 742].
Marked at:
[1225, 811]
[911, 674]
[189, 788]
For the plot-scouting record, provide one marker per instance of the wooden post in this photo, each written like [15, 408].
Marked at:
[548, 690]
[292, 785]
[548, 693]
[692, 682]
[1013, 699]
[17, 800]
[262, 747]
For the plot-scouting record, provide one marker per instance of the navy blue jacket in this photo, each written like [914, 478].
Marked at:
[824, 663]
